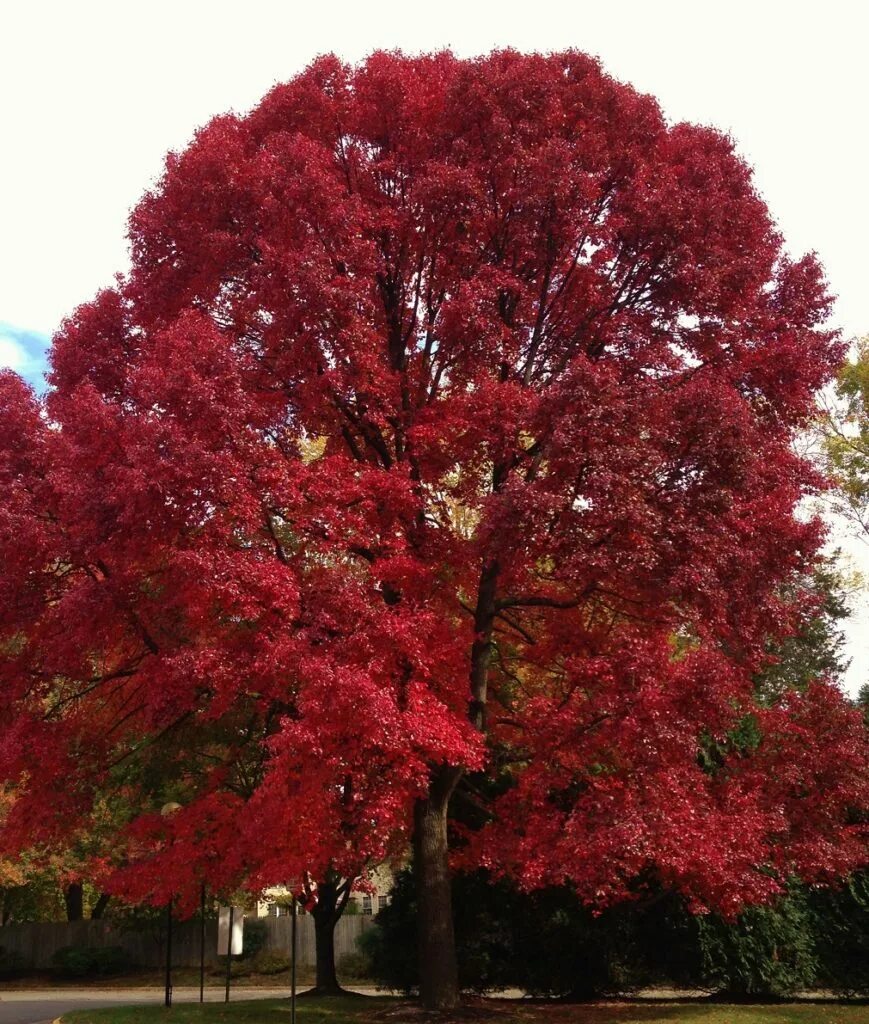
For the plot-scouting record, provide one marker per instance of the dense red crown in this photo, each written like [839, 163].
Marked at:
[444, 419]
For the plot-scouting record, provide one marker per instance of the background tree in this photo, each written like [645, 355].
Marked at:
[862, 701]
[845, 438]
[817, 647]
[42, 884]
[502, 286]
[329, 898]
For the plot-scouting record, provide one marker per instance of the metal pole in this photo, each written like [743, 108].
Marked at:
[202, 944]
[168, 996]
[229, 955]
[295, 945]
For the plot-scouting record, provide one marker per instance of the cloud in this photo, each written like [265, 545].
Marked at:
[25, 352]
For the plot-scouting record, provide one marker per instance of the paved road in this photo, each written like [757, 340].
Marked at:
[40, 1007]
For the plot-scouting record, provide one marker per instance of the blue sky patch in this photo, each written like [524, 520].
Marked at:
[26, 352]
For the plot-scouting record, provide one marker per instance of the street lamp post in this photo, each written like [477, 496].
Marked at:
[229, 953]
[294, 941]
[168, 996]
[202, 944]
[166, 810]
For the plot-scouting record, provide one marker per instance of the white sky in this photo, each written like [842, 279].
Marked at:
[95, 93]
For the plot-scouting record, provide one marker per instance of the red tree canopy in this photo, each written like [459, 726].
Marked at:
[443, 424]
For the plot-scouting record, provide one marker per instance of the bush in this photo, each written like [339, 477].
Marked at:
[238, 969]
[110, 960]
[271, 963]
[255, 937]
[356, 966]
[841, 918]
[545, 943]
[767, 953]
[390, 947]
[82, 962]
[73, 962]
[12, 964]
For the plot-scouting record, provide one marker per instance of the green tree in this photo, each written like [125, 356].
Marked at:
[844, 428]
[862, 702]
[817, 647]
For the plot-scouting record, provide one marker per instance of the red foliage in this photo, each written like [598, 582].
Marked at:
[443, 396]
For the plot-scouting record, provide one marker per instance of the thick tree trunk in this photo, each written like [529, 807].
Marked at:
[326, 914]
[73, 897]
[438, 970]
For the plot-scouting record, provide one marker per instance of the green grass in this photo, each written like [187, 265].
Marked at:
[366, 1010]
[259, 1011]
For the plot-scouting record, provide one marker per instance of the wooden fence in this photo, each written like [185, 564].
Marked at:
[145, 944]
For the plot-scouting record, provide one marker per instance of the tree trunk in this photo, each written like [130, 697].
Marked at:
[326, 914]
[438, 970]
[99, 907]
[73, 897]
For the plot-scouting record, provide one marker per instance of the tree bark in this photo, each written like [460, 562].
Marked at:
[326, 914]
[438, 969]
[73, 897]
[99, 907]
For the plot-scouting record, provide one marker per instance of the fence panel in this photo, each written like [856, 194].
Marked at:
[145, 945]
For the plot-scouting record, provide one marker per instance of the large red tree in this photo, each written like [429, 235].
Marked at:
[442, 425]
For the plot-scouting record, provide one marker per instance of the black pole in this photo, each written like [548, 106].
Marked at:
[168, 997]
[202, 944]
[295, 945]
[229, 955]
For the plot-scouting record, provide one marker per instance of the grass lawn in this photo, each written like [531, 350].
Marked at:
[365, 1010]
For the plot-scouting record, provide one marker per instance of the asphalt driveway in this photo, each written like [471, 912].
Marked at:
[43, 1005]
